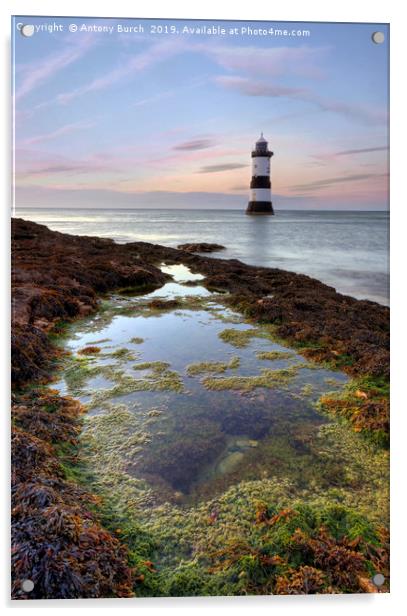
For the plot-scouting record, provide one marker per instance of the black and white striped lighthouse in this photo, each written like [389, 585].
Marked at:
[260, 186]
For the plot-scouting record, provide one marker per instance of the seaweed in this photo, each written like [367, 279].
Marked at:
[302, 550]
[53, 519]
[212, 366]
[267, 378]
[123, 353]
[89, 350]
[272, 355]
[365, 404]
[239, 337]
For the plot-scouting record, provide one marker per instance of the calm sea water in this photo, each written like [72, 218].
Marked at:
[347, 250]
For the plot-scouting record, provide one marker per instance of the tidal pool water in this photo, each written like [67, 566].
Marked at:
[193, 414]
[172, 362]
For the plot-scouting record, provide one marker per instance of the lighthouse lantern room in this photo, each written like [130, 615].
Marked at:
[260, 186]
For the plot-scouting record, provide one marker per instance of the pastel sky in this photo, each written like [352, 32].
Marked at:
[169, 120]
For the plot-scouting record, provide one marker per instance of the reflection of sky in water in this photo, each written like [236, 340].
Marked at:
[180, 273]
[348, 250]
[202, 434]
[173, 289]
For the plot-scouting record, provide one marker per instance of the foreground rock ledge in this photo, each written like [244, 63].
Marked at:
[58, 541]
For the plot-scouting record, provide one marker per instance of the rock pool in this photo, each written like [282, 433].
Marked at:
[194, 414]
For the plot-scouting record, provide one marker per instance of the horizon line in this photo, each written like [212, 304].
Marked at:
[200, 209]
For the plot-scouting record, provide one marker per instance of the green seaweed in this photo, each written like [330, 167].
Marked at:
[364, 403]
[267, 378]
[307, 389]
[156, 366]
[212, 366]
[239, 337]
[272, 355]
[81, 369]
[159, 379]
[123, 353]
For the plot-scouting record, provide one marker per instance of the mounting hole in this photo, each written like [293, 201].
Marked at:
[378, 37]
[27, 585]
[27, 30]
[378, 579]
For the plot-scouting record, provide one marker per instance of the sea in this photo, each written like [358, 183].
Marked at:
[346, 250]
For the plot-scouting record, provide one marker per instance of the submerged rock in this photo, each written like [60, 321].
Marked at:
[229, 463]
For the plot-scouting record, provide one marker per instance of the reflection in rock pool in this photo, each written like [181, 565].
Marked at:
[192, 410]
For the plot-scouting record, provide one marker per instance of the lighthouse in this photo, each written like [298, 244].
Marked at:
[260, 186]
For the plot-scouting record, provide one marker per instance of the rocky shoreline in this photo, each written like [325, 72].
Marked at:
[58, 276]
[58, 539]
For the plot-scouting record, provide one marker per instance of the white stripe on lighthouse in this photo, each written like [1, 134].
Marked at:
[260, 194]
[260, 166]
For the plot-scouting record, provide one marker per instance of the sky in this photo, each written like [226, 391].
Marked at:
[166, 115]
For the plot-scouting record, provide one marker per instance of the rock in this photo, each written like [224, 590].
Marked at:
[201, 247]
[58, 277]
[229, 463]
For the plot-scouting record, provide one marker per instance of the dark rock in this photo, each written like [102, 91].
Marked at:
[201, 247]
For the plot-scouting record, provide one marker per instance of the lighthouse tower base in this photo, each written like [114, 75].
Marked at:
[260, 207]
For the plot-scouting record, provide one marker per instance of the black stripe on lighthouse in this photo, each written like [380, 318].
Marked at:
[260, 181]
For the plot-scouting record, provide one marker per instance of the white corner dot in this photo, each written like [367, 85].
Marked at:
[378, 37]
[27, 30]
[378, 579]
[27, 585]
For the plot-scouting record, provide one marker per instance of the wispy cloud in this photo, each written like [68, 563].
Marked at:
[247, 86]
[250, 87]
[221, 167]
[323, 158]
[362, 151]
[194, 83]
[195, 144]
[39, 71]
[154, 99]
[59, 132]
[329, 182]
[269, 61]
[82, 167]
[134, 65]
